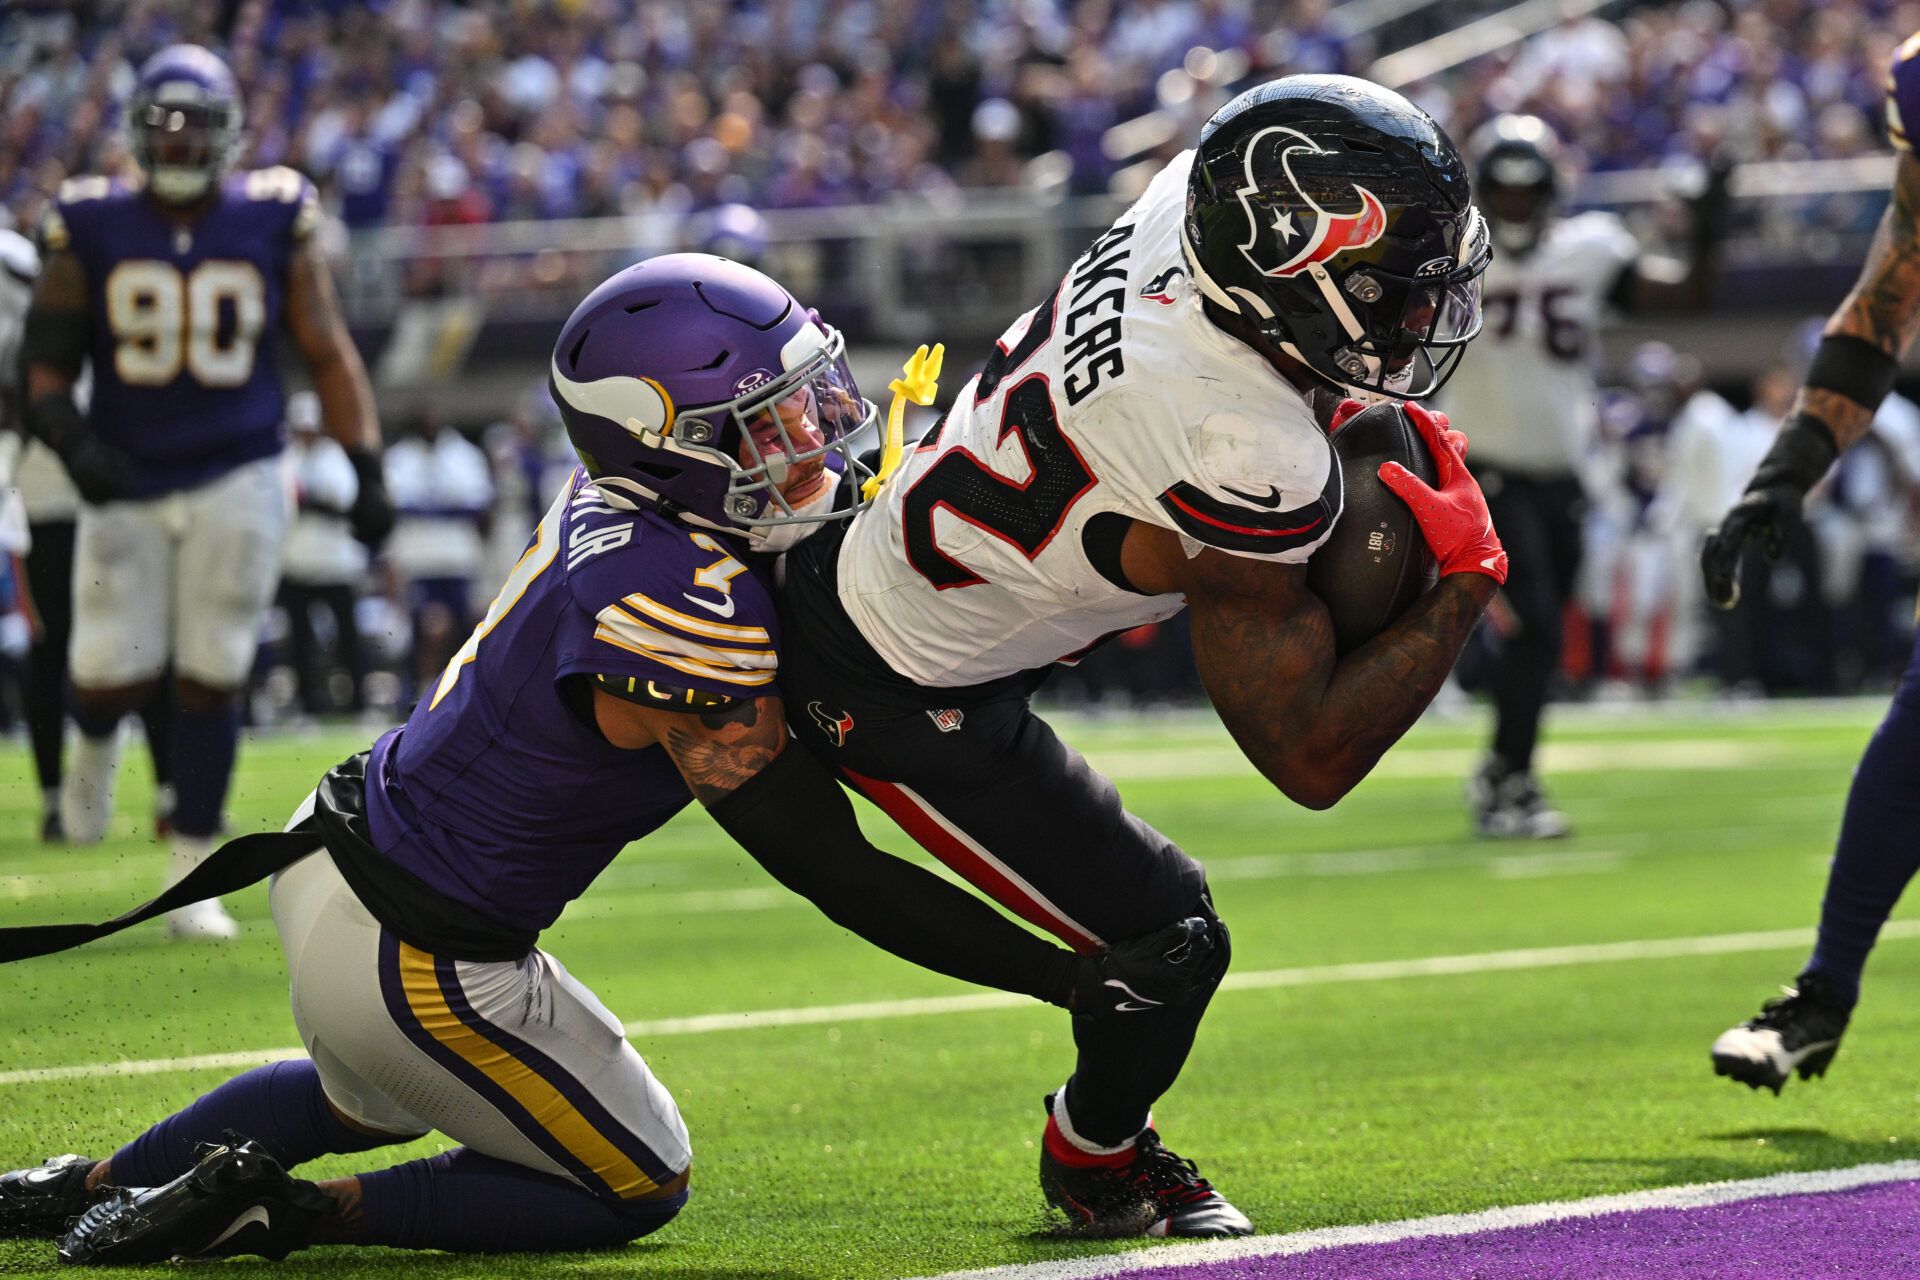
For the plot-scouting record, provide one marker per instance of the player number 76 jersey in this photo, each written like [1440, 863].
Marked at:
[995, 548]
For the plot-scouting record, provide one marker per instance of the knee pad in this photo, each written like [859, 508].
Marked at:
[644, 1217]
[1181, 964]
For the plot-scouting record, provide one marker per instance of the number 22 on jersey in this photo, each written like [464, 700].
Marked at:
[206, 321]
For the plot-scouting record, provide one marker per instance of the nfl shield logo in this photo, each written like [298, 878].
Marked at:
[947, 721]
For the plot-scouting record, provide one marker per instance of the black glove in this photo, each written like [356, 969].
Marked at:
[1770, 507]
[98, 470]
[371, 515]
[1180, 964]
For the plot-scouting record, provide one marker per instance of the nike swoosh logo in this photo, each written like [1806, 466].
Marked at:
[256, 1214]
[710, 606]
[1271, 501]
[1135, 1003]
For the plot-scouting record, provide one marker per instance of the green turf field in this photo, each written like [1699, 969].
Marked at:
[857, 1145]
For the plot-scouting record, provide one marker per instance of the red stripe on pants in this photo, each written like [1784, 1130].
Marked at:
[918, 822]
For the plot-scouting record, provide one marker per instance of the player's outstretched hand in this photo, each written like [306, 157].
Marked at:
[1770, 507]
[98, 470]
[1176, 965]
[371, 516]
[1453, 518]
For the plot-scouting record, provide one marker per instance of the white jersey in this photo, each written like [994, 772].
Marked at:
[995, 548]
[1525, 393]
[37, 474]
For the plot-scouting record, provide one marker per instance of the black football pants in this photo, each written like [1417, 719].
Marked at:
[1538, 520]
[986, 786]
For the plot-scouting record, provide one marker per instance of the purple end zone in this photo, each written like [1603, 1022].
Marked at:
[1869, 1233]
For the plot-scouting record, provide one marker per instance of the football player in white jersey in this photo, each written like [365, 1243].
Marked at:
[1142, 441]
[1530, 394]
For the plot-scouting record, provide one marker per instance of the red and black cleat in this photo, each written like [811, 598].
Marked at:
[1149, 1191]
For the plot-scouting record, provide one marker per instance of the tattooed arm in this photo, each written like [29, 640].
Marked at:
[1884, 306]
[786, 810]
[1851, 373]
[1314, 725]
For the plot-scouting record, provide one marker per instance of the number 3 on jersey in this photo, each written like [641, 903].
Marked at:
[206, 321]
[1025, 514]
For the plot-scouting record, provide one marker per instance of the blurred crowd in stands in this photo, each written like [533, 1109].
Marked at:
[442, 115]
[438, 113]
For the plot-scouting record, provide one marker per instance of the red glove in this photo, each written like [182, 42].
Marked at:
[1453, 518]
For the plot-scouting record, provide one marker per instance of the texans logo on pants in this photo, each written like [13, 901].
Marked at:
[835, 724]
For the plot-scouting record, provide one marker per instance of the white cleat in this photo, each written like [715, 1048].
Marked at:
[202, 922]
[86, 792]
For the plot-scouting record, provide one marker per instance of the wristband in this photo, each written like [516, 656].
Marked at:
[1854, 368]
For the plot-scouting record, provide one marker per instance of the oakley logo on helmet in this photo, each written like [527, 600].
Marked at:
[758, 378]
[1325, 235]
[1437, 267]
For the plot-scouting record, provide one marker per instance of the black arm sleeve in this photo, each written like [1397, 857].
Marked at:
[893, 904]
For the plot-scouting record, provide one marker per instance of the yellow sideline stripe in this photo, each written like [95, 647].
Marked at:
[549, 1109]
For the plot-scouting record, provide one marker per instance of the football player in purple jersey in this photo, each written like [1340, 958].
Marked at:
[175, 289]
[1877, 855]
[626, 668]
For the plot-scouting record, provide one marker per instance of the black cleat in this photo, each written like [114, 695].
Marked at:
[38, 1203]
[1157, 1194]
[236, 1199]
[1798, 1030]
[1511, 806]
[51, 829]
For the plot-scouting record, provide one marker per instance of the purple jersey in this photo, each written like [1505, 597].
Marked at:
[498, 792]
[1903, 92]
[186, 320]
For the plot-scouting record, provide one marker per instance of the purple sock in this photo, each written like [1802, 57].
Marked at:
[204, 743]
[465, 1202]
[280, 1105]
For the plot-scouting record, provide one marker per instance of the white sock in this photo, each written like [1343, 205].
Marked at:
[187, 852]
[86, 794]
[1061, 1118]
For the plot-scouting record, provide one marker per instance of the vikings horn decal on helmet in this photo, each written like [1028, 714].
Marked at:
[1334, 217]
[699, 388]
[183, 122]
[1327, 233]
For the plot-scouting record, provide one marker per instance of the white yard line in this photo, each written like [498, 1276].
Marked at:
[1695, 1196]
[1132, 764]
[1307, 976]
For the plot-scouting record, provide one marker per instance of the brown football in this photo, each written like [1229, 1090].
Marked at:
[1375, 564]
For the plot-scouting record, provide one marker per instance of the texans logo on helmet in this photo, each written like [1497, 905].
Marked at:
[1327, 234]
[835, 724]
[1159, 288]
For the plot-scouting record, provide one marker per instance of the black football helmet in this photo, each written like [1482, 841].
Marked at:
[1335, 216]
[1516, 175]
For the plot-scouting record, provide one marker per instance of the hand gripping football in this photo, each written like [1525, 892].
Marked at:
[1375, 564]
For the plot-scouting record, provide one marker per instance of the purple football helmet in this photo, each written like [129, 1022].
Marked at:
[698, 387]
[183, 121]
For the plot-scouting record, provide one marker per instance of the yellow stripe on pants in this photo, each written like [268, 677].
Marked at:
[540, 1099]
